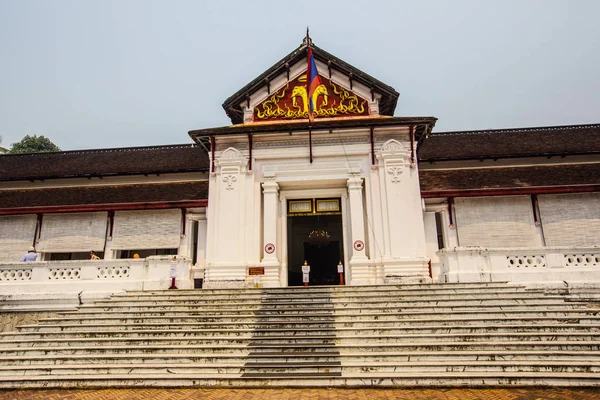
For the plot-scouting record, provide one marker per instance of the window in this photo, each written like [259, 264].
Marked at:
[439, 226]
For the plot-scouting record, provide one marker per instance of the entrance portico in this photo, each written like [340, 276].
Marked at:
[382, 236]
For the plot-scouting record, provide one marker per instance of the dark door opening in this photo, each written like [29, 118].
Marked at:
[322, 252]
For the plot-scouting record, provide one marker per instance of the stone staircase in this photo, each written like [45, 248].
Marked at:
[408, 335]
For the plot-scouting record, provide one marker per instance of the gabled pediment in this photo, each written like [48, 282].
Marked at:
[280, 92]
[291, 102]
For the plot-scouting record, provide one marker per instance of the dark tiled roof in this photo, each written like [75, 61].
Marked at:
[103, 162]
[387, 104]
[105, 194]
[510, 177]
[502, 143]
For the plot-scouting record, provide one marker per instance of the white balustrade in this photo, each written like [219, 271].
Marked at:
[533, 261]
[544, 266]
[15, 274]
[39, 281]
[64, 273]
[582, 260]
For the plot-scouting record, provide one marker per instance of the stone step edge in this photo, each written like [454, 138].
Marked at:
[340, 347]
[310, 364]
[332, 305]
[348, 287]
[444, 291]
[260, 315]
[250, 339]
[324, 329]
[328, 304]
[193, 378]
[338, 321]
[328, 299]
[572, 354]
[515, 310]
[261, 312]
[317, 312]
[328, 295]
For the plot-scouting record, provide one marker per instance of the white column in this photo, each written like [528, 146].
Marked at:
[271, 194]
[357, 220]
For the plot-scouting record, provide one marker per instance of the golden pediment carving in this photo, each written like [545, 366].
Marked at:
[291, 102]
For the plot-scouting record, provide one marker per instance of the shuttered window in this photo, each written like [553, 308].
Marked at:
[148, 229]
[16, 235]
[570, 219]
[71, 233]
[505, 221]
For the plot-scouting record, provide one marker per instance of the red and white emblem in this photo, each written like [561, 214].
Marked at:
[359, 245]
[269, 248]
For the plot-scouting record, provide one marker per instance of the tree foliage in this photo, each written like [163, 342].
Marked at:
[33, 144]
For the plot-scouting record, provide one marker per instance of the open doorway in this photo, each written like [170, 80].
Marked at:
[317, 239]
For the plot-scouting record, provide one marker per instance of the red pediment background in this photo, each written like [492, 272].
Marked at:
[290, 102]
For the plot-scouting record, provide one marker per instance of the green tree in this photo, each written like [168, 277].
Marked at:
[33, 144]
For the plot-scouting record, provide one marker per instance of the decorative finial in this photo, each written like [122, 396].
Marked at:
[307, 41]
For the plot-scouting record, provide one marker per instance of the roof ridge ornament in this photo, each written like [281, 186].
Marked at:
[307, 40]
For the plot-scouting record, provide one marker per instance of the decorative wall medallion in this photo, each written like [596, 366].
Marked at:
[229, 180]
[269, 248]
[230, 153]
[359, 245]
[392, 146]
[395, 171]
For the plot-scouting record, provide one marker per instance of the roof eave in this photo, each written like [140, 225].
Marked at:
[423, 124]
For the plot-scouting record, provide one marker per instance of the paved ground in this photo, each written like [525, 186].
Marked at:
[305, 394]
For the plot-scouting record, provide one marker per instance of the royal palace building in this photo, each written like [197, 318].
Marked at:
[314, 170]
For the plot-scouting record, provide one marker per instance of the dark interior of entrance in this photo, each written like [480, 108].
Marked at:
[316, 239]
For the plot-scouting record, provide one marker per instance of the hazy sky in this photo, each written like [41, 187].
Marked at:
[93, 74]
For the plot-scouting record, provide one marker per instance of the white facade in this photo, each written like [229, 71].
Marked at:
[248, 209]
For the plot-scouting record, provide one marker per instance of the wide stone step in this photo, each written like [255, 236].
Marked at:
[320, 296]
[288, 291]
[339, 309]
[116, 331]
[325, 369]
[128, 341]
[302, 348]
[314, 315]
[477, 366]
[137, 358]
[449, 313]
[339, 305]
[356, 323]
[416, 338]
[162, 349]
[449, 379]
[302, 357]
[324, 297]
[304, 340]
[129, 368]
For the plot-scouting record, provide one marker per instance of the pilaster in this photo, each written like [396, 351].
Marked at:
[270, 193]
[227, 266]
[405, 258]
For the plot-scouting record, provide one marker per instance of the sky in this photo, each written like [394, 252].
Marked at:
[102, 74]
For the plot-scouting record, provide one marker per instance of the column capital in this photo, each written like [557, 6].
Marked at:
[354, 182]
[270, 187]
